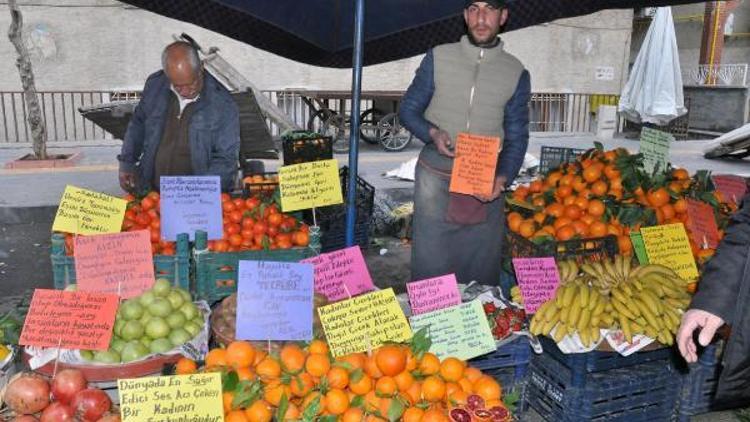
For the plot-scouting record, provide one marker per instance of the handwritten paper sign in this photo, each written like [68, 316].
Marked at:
[119, 263]
[702, 224]
[668, 245]
[72, 320]
[274, 301]
[732, 187]
[195, 397]
[341, 274]
[83, 211]
[538, 279]
[364, 322]
[655, 148]
[433, 294]
[461, 331]
[639, 247]
[191, 203]
[310, 185]
[475, 163]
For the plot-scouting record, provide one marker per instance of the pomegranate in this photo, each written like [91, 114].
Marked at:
[474, 402]
[91, 404]
[460, 415]
[27, 394]
[66, 384]
[57, 412]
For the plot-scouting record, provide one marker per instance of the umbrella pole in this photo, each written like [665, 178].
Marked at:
[351, 198]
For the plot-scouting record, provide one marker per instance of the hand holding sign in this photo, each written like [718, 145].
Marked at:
[475, 164]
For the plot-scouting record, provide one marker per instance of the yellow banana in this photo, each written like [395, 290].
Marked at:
[594, 298]
[547, 327]
[653, 302]
[608, 320]
[565, 314]
[574, 316]
[651, 332]
[584, 320]
[534, 327]
[595, 334]
[551, 311]
[560, 332]
[583, 294]
[585, 337]
[589, 269]
[601, 304]
[652, 320]
[626, 290]
[568, 295]
[618, 294]
[623, 310]
[595, 320]
[625, 327]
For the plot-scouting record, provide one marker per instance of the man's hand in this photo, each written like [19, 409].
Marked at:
[127, 181]
[694, 319]
[442, 141]
[498, 189]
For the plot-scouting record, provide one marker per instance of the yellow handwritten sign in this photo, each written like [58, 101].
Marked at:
[83, 211]
[364, 322]
[176, 398]
[310, 185]
[668, 245]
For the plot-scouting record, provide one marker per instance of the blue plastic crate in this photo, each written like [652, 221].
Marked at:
[699, 384]
[582, 364]
[645, 392]
[508, 364]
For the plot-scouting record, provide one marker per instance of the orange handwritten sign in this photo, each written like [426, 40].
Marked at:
[702, 224]
[119, 263]
[70, 320]
[475, 164]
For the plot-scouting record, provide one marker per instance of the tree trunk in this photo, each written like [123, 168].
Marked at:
[34, 113]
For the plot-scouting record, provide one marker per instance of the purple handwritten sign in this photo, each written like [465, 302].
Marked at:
[732, 187]
[433, 294]
[340, 274]
[538, 279]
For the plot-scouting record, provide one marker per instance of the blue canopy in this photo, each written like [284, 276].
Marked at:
[320, 32]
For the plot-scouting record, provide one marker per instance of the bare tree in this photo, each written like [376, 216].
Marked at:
[38, 131]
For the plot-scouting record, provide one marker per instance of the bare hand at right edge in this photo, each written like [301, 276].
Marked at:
[442, 142]
[692, 320]
[127, 181]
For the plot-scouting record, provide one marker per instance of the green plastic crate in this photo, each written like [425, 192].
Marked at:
[216, 272]
[172, 267]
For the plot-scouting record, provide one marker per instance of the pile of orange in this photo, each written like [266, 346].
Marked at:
[391, 383]
[261, 183]
[575, 201]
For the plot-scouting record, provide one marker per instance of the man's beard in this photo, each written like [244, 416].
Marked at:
[491, 42]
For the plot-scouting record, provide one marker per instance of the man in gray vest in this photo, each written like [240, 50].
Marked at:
[186, 123]
[472, 86]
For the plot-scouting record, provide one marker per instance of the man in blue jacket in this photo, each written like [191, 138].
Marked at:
[185, 124]
[471, 86]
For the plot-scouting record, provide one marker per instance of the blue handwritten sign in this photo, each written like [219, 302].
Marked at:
[274, 301]
[190, 203]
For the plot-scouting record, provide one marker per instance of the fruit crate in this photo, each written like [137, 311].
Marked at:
[553, 157]
[303, 147]
[266, 188]
[332, 219]
[593, 249]
[699, 383]
[216, 272]
[509, 364]
[175, 268]
[581, 365]
[644, 392]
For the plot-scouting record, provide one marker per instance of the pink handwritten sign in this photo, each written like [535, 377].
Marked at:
[433, 294]
[340, 274]
[732, 187]
[702, 224]
[119, 263]
[538, 279]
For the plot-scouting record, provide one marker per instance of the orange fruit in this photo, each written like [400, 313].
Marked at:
[579, 185]
[553, 178]
[540, 217]
[580, 228]
[259, 411]
[658, 197]
[564, 192]
[311, 398]
[353, 414]
[611, 172]
[536, 186]
[521, 193]
[216, 357]
[668, 211]
[236, 416]
[433, 389]
[361, 386]
[371, 367]
[292, 358]
[573, 212]
[185, 366]
[680, 206]
[404, 380]
[274, 391]
[337, 377]
[372, 402]
[560, 222]
[582, 203]
[589, 219]
[386, 386]
[337, 401]
[240, 354]
[259, 356]
[227, 398]
[317, 365]
[555, 209]
[458, 398]
[355, 360]
[596, 208]
[487, 388]
[567, 180]
[412, 414]
[466, 385]
[317, 346]
[301, 384]
[626, 247]
[269, 368]
[599, 188]
[592, 174]
[570, 200]
[527, 229]
[411, 360]
[598, 229]
[514, 220]
[391, 360]
[414, 393]
[429, 365]
[452, 369]
[292, 412]
[245, 374]
[565, 232]
[452, 387]
[680, 174]
[538, 201]
[385, 408]
[435, 415]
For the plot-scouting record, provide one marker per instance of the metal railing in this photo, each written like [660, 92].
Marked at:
[716, 75]
[548, 113]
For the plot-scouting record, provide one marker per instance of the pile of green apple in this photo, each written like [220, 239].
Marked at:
[157, 321]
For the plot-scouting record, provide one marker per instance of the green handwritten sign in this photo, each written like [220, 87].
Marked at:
[461, 331]
[639, 247]
[195, 397]
[655, 149]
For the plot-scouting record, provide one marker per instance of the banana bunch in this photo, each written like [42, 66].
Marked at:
[646, 300]
[515, 295]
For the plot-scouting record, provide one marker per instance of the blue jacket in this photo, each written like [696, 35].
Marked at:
[516, 122]
[214, 133]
